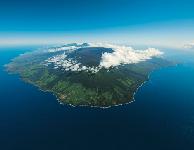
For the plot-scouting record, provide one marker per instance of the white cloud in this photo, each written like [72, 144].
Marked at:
[125, 55]
[120, 55]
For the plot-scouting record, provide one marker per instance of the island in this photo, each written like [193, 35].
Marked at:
[88, 74]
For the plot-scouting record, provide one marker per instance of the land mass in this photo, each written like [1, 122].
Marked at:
[58, 70]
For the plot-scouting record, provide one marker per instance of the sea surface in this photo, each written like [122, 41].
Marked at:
[161, 118]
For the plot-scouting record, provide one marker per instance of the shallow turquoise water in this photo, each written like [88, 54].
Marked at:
[162, 117]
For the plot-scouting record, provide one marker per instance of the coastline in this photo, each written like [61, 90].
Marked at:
[106, 107]
[90, 106]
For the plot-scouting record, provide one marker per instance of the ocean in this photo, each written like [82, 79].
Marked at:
[161, 118]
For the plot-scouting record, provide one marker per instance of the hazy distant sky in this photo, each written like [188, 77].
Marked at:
[150, 22]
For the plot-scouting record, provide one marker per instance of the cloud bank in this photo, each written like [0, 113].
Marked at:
[121, 55]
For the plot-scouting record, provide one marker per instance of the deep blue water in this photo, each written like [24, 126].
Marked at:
[161, 118]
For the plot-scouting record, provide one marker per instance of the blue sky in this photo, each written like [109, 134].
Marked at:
[153, 22]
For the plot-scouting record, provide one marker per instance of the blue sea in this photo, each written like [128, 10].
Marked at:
[161, 118]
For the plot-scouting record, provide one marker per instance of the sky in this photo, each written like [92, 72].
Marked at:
[144, 22]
